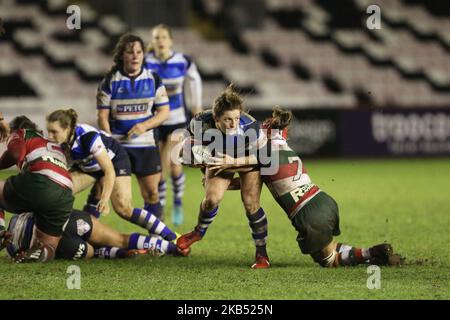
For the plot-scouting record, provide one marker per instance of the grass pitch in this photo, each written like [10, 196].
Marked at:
[405, 202]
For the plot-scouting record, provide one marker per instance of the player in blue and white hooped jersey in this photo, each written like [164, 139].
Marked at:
[131, 103]
[182, 80]
[99, 160]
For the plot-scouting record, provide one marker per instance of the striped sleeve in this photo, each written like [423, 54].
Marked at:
[92, 141]
[161, 98]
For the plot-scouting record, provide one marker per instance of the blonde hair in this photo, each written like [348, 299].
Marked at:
[159, 26]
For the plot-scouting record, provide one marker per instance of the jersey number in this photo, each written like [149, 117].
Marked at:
[299, 167]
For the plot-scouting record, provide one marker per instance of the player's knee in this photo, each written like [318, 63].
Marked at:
[210, 203]
[251, 206]
[123, 208]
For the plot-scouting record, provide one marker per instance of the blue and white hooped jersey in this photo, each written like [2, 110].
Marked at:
[131, 101]
[247, 136]
[174, 72]
[89, 142]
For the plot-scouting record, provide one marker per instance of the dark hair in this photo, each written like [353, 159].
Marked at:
[280, 118]
[23, 122]
[120, 48]
[66, 119]
[230, 99]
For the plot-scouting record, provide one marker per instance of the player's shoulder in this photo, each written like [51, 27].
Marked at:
[150, 57]
[203, 120]
[179, 57]
[85, 131]
[246, 119]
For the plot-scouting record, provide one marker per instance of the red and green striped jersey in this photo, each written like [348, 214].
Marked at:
[291, 186]
[32, 152]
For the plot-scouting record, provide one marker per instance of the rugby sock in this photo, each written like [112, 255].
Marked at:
[110, 253]
[150, 222]
[351, 256]
[2, 219]
[140, 242]
[258, 225]
[154, 208]
[162, 192]
[91, 206]
[205, 218]
[178, 184]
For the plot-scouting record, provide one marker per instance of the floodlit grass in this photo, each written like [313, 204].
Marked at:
[405, 202]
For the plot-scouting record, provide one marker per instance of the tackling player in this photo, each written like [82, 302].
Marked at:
[313, 213]
[43, 185]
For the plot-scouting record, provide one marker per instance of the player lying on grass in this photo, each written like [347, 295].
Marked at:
[229, 126]
[86, 237]
[43, 185]
[313, 213]
[100, 159]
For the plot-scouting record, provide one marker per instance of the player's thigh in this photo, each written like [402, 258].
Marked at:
[173, 141]
[215, 186]
[102, 235]
[164, 154]
[149, 182]
[81, 181]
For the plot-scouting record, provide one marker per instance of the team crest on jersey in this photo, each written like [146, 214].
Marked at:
[82, 227]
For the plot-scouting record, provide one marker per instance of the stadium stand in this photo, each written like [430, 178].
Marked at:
[306, 54]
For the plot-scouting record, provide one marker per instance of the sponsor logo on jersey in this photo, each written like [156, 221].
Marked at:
[132, 108]
[299, 192]
[80, 251]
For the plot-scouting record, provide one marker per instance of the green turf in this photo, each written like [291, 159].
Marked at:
[405, 202]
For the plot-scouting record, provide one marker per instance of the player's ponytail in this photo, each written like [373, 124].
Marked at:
[66, 118]
[280, 118]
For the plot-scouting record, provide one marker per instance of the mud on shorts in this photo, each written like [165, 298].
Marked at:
[74, 242]
[50, 202]
[144, 161]
[317, 222]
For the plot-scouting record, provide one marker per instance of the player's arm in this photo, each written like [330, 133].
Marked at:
[15, 151]
[103, 120]
[104, 106]
[98, 150]
[108, 180]
[193, 87]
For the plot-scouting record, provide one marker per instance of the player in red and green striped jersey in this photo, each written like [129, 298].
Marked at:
[44, 186]
[313, 213]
